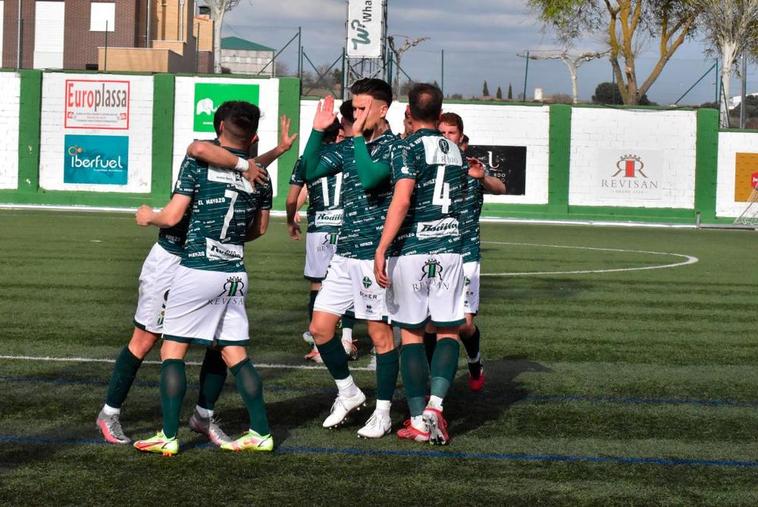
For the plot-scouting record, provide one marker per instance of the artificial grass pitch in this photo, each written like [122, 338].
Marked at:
[617, 385]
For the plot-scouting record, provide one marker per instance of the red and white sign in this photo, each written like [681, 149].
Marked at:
[632, 173]
[96, 104]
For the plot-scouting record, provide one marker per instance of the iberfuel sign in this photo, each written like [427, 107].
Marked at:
[365, 19]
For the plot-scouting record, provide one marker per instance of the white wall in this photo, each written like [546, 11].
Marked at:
[10, 84]
[731, 143]
[485, 125]
[664, 141]
[139, 131]
[184, 113]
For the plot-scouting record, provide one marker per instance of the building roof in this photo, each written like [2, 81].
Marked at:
[237, 43]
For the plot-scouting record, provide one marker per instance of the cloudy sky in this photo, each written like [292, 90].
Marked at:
[481, 40]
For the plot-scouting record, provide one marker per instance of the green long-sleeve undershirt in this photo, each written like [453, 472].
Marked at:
[371, 174]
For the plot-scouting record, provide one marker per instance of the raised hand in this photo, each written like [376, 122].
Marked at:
[325, 115]
[360, 118]
[286, 140]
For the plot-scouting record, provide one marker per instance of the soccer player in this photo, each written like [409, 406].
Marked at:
[207, 295]
[324, 220]
[477, 182]
[424, 271]
[350, 282]
[155, 278]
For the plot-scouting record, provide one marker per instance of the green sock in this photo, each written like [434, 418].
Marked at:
[415, 370]
[173, 387]
[444, 365]
[335, 359]
[430, 343]
[250, 387]
[387, 367]
[348, 321]
[212, 378]
[122, 378]
[311, 302]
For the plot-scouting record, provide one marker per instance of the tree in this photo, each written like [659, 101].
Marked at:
[485, 90]
[572, 60]
[625, 23]
[499, 93]
[608, 94]
[398, 51]
[218, 9]
[510, 92]
[731, 29]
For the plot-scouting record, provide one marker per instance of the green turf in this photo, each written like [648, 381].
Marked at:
[586, 373]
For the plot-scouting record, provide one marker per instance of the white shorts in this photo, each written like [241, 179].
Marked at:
[471, 277]
[319, 250]
[350, 284]
[154, 281]
[207, 307]
[425, 287]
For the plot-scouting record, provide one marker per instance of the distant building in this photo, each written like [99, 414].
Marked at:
[241, 56]
[116, 35]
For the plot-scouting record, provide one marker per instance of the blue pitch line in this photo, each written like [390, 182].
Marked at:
[494, 456]
[530, 398]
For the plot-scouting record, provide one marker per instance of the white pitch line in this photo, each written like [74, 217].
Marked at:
[689, 259]
[191, 363]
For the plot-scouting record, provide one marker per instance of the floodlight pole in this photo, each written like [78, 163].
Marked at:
[743, 92]
[442, 82]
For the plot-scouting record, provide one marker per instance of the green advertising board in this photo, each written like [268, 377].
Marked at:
[208, 96]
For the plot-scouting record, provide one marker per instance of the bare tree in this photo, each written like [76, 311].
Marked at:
[218, 9]
[398, 51]
[572, 60]
[731, 28]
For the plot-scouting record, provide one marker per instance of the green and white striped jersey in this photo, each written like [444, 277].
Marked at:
[437, 166]
[324, 196]
[469, 219]
[224, 205]
[364, 210]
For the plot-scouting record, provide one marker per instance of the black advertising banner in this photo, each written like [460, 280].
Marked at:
[507, 163]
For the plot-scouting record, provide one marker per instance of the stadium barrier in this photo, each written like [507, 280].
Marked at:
[116, 141]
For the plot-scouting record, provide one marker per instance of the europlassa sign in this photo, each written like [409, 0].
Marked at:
[99, 160]
[97, 104]
[209, 96]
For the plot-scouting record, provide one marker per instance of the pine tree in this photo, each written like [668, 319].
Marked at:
[499, 93]
[485, 90]
[510, 92]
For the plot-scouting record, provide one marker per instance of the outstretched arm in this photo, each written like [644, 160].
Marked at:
[285, 144]
[169, 216]
[491, 184]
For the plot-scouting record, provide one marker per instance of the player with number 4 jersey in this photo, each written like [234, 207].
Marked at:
[424, 271]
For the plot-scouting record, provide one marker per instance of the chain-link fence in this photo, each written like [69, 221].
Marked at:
[501, 75]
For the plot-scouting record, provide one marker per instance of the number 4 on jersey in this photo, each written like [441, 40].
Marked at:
[441, 190]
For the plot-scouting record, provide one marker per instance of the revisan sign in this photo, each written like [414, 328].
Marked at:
[97, 104]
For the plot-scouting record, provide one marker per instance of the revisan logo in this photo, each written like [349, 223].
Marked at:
[629, 176]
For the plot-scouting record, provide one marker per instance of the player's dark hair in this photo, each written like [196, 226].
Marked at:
[240, 119]
[464, 139]
[452, 119]
[378, 89]
[330, 132]
[346, 110]
[426, 102]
